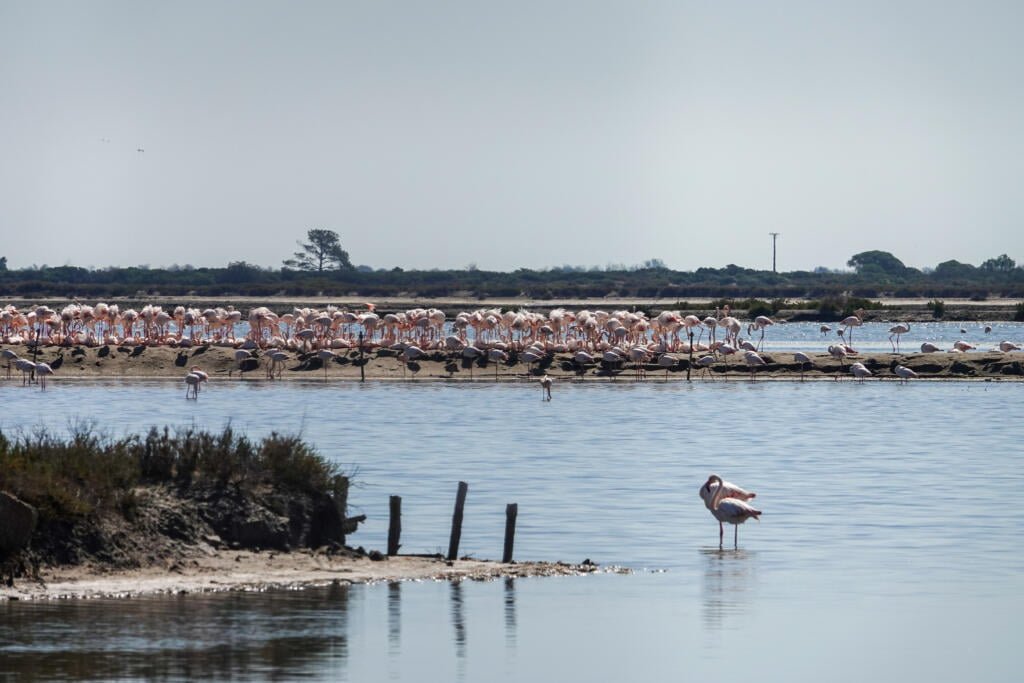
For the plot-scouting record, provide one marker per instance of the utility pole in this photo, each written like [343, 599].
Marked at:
[775, 236]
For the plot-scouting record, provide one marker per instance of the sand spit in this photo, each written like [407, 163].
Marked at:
[241, 570]
[162, 362]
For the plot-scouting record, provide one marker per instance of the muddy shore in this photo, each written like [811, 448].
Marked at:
[208, 570]
[161, 362]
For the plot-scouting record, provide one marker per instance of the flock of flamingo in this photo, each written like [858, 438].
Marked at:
[616, 337]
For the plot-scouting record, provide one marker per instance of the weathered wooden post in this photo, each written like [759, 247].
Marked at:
[511, 510]
[395, 526]
[362, 363]
[460, 502]
[689, 364]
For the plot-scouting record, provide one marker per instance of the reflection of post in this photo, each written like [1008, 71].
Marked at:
[458, 619]
[460, 503]
[395, 617]
[510, 611]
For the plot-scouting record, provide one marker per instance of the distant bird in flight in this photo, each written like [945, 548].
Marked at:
[140, 150]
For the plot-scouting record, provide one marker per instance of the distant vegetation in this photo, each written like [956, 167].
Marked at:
[874, 274]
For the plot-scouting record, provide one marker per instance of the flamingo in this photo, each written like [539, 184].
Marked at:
[27, 369]
[804, 360]
[42, 370]
[838, 351]
[963, 346]
[11, 356]
[325, 356]
[704, 362]
[903, 372]
[850, 322]
[824, 329]
[753, 360]
[727, 503]
[760, 323]
[895, 331]
[667, 361]
[928, 347]
[545, 386]
[1007, 346]
[860, 371]
[192, 381]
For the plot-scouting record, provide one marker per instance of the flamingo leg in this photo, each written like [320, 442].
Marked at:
[721, 534]
[736, 536]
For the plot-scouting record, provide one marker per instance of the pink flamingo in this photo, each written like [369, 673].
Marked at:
[727, 503]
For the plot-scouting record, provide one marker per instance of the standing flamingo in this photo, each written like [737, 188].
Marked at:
[848, 323]
[804, 360]
[903, 372]
[838, 351]
[753, 360]
[545, 387]
[860, 371]
[895, 331]
[761, 322]
[10, 357]
[192, 381]
[727, 503]
[42, 370]
[325, 356]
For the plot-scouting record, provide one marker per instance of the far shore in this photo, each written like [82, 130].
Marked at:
[896, 308]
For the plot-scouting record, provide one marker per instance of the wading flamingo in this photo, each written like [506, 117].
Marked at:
[727, 503]
[545, 387]
[804, 360]
[42, 370]
[903, 372]
[761, 322]
[895, 331]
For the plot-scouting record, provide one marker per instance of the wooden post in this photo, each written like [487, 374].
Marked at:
[395, 526]
[689, 364]
[511, 510]
[362, 365]
[460, 502]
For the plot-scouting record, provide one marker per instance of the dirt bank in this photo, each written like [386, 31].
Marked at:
[157, 362]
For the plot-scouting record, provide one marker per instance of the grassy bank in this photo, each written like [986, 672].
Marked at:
[144, 499]
[85, 473]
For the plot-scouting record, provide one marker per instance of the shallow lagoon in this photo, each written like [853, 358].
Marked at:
[882, 551]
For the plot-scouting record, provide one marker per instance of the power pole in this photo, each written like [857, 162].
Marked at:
[775, 236]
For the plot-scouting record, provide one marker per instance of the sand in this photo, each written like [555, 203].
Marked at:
[231, 570]
[161, 362]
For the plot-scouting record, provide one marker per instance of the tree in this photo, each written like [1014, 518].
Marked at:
[877, 261]
[954, 270]
[1001, 264]
[322, 252]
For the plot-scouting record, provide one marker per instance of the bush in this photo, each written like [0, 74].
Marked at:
[937, 307]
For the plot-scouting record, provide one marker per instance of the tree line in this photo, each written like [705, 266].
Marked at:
[322, 268]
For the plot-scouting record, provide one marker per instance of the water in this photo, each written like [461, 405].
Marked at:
[889, 548]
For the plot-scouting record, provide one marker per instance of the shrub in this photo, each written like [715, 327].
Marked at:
[937, 307]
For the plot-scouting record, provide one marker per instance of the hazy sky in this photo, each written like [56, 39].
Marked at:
[522, 134]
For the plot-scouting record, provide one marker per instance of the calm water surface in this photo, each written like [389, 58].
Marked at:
[889, 548]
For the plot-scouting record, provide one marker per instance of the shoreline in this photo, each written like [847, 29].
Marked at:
[383, 365]
[247, 570]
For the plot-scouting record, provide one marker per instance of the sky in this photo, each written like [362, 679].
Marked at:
[511, 135]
